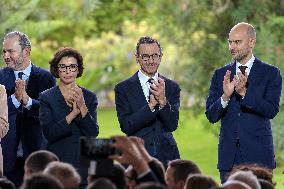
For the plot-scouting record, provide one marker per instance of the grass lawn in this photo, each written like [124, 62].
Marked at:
[194, 141]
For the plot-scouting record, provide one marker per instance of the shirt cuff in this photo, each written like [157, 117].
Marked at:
[143, 174]
[16, 103]
[224, 103]
[29, 104]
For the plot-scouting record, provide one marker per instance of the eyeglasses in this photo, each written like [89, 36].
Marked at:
[71, 67]
[146, 57]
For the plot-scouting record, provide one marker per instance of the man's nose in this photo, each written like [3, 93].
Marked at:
[232, 46]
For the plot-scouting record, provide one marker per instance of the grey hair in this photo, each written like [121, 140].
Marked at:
[24, 40]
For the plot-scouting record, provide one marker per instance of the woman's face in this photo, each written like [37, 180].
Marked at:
[67, 69]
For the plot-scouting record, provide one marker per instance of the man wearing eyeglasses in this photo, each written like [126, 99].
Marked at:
[147, 103]
[23, 81]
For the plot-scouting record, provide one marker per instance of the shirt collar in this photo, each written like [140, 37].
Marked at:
[248, 64]
[26, 71]
[144, 78]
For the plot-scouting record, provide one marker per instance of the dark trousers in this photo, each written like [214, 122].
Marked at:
[237, 161]
[17, 174]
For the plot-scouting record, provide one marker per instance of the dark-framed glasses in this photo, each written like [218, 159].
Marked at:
[146, 57]
[71, 67]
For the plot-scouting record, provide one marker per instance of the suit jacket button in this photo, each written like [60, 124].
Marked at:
[151, 144]
[239, 114]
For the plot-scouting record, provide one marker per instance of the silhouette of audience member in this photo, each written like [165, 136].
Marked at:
[178, 171]
[259, 171]
[6, 183]
[155, 165]
[235, 184]
[42, 181]
[197, 181]
[151, 185]
[117, 177]
[265, 184]
[37, 162]
[65, 173]
[246, 177]
[132, 156]
[101, 183]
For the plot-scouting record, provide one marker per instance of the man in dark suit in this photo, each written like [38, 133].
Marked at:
[147, 103]
[23, 81]
[244, 95]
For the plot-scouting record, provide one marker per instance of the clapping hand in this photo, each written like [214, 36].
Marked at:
[241, 83]
[158, 91]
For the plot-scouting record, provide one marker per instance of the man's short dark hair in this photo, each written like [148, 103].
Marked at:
[38, 160]
[24, 40]
[265, 184]
[182, 168]
[66, 52]
[151, 185]
[199, 181]
[6, 183]
[147, 40]
[42, 181]
[117, 177]
[101, 183]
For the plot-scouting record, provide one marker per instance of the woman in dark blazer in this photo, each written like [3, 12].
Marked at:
[67, 111]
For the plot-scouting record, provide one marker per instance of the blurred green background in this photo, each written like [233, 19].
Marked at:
[193, 34]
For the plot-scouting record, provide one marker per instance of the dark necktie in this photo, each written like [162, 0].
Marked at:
[20, 75]
[150, 81]
[243, 69]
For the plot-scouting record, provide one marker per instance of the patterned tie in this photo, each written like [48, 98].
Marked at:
[20, 75]
[243, 69]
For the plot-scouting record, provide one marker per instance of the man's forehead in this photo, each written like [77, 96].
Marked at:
[149, 46]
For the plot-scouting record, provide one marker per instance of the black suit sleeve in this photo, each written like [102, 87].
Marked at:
[169, 114]
[131, 122]
[34, 110]
[53, 130]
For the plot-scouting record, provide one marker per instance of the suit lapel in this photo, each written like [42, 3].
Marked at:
[9, 81]
[255, 72]
[232, 68]
[33, 82]
[60, 101]
[136, 90]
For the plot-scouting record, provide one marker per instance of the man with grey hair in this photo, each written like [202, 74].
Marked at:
[245, 96]
[235, 184]
[246, 177]
[23, 81]
[65, 173]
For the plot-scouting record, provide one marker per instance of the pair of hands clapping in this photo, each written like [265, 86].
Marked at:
[238, 83]
[76, 99]
[20, 91]
[158, 95]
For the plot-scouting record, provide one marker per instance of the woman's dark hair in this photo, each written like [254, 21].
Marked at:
[65, 52]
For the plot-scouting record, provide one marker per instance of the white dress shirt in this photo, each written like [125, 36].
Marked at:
[145, 84]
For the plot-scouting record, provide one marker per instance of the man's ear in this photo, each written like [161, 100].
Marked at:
[28, 171]
[252, 42]
[137, 58]
[27, 51]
